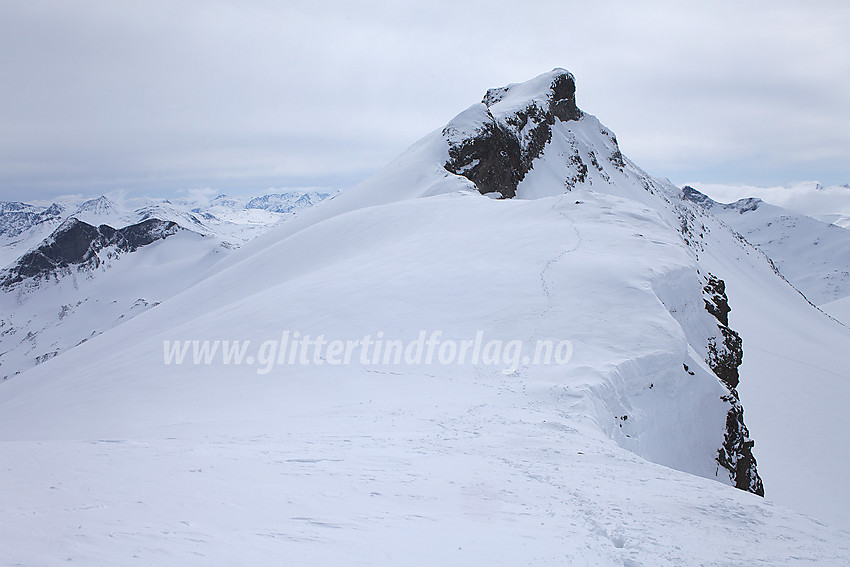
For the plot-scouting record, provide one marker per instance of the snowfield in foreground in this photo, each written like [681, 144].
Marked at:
[627, 455]
[442, 483]
[386, 464]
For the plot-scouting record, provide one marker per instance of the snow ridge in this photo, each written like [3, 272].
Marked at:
[629, 454]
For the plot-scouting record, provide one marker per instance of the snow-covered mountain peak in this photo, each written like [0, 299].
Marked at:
[550, 92]
[100, 205]
[54, 210]
[530, 140]
[99, 263]
[77, 245]
[14, 207]
[102, 210]
[698, 197]
[494, 143]
[223, 200]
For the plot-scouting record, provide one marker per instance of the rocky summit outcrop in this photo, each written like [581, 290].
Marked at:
[508, 136]
[78, 244]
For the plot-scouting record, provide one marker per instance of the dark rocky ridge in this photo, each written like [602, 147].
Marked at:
[724, 358]
[694, 196]
[706, 202]
[498, 157]
[77, 243]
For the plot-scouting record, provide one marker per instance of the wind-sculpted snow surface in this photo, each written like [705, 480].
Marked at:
[609, 458]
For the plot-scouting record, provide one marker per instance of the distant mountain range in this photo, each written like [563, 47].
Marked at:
[73, 270]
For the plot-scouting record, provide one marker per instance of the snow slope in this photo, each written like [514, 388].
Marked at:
[395, 464]
[44, 316]
[40, 323]
[840, 309]
[828, 203]
[610, 459]
[794, 378]
[813, 255]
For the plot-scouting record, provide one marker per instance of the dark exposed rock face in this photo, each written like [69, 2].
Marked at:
[73, 243]
[131, 238]
[492, 160]
[77, 243]
[691, 194]
[725, 354]
[497, 158]
[563, 103]
[736, 453]
[714, 295]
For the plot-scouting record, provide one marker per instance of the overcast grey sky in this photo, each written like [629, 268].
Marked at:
[161, 96]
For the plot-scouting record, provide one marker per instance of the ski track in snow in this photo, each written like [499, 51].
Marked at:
[547, 289]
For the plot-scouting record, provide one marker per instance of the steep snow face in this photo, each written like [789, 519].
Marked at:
[813, 255]
[793, 378]
[794, 373]
[476, 462]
